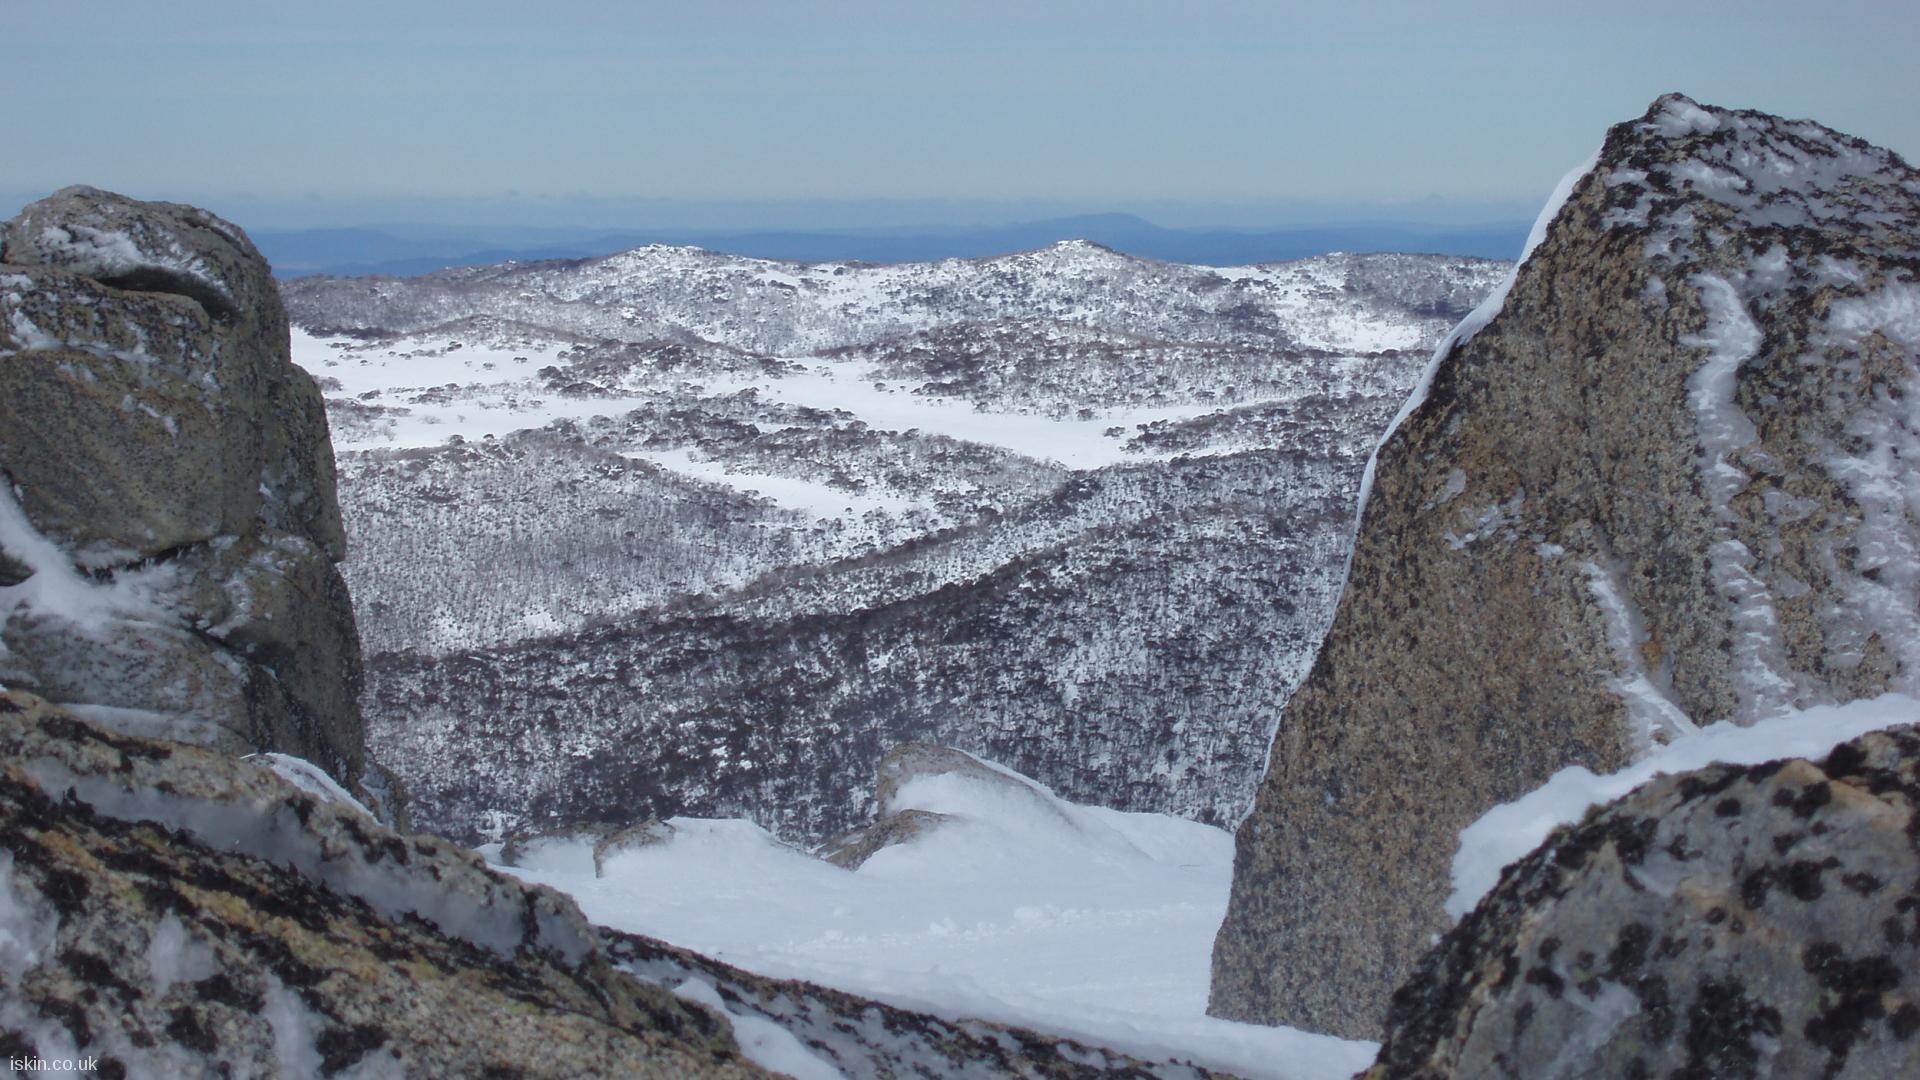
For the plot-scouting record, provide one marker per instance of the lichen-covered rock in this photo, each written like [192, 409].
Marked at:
[1664, 476]
[1733, 922]
[168, 525]
[178, 912]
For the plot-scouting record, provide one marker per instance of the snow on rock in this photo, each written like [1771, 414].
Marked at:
[274, 931]
[1679, 427]
[309, 778]
[1509, 831]
[280, 932]
[1753, 917]
[761, 1040]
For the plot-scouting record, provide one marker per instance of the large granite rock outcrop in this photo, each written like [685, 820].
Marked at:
[1736, 921]
[1665, 476]
[174, 911]
[168, 523]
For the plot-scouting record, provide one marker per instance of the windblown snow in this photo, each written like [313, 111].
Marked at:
[1034, 911]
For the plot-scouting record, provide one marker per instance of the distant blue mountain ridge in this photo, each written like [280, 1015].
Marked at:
[408, 250]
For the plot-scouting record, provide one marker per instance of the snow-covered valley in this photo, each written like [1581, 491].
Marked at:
[691, 534]
[643, 562]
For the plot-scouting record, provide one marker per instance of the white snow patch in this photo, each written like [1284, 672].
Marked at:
[1880, 583]
[764, 1042]
[173, 956]
[1679, 118]
[1509, 831]
[436, 391]
[56, 589]
[849, 385]
[309, 778]
[27, 929]
[1731, 338]
[822, 500]
[1023, 909]
[294, 1029]
[1654, 715]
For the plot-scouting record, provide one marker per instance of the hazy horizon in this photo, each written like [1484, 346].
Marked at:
[579, 213]
[843, 114]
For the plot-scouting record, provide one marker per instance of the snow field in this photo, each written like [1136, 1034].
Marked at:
[1024, 909]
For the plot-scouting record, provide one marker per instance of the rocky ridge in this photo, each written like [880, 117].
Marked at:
[1661, 477]
[186, 587]
[172, 911]
[1735, 921]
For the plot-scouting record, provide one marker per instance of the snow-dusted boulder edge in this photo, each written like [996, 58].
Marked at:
[178, 912]
[1505, 834]
[1667, 480]
[168, 522]
[1743, 919]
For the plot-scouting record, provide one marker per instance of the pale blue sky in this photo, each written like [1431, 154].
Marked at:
[350, 110]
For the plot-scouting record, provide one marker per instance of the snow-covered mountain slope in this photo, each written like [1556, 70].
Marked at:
[1112, 657]
[1364, 303]
[1020, 908]
[1062, 508]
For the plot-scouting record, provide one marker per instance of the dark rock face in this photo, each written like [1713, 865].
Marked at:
[174, 911]
[1737, 921]
[170, 528]
[1666, 480]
